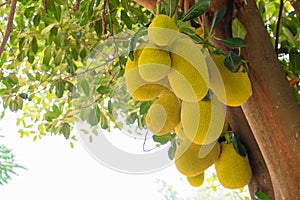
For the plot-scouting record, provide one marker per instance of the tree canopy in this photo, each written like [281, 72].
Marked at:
[57, 67]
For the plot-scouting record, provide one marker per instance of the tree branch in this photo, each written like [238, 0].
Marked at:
[148, 4]
[296, 6]
[9, 27]
[3, 4]
[278, 26]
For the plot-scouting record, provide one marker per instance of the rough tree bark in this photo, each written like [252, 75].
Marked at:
[272, 112]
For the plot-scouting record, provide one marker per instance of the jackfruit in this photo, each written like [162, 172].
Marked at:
[203, 121]
[137, 87]
[192, 159]
[154, 63]
[179, 131]
[232, 89]
[162, 30]
[199, 31]
[233, 170]
[196, 181]
[164, 114]
[189, 75]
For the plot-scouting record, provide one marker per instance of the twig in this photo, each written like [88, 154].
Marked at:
[144, 144]
[278, 26]
[294, 81]
[77, 6]
[9, 27]
[45, 8]
[3, 4]
[112, 35]
[104, 30]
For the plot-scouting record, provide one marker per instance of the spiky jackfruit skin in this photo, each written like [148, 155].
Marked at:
[179, 131]
[196, 181]
[164, 114]
[233, 170]
[189, 75]
[232, 89]
[154, 63]
[162, 30]
[137, 87]
[203, 121]
[192, 159]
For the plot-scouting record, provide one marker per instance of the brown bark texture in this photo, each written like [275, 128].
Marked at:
[272, 111]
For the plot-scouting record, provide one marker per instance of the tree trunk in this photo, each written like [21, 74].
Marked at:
[272, 111]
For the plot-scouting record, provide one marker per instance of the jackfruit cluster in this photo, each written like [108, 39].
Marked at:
[189, 91]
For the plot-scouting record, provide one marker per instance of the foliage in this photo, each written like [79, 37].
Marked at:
[7, 164]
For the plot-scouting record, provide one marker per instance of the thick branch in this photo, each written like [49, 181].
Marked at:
[272, 111]
[9, 27]
[148, 4]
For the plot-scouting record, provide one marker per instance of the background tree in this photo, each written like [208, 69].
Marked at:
[44, 63]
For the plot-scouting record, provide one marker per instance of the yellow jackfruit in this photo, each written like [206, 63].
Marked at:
[196, 181]
[137, 87]
[189, 75]
[164, 114]
[154, 63]
[192, 159]
[162, 30]
[179, 131]
[199, 31]
[233, 170]
[203, 121]
[232, 89]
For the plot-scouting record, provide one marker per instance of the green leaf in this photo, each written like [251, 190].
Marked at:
[131, 118]
[83, 53]
[91, 8]
[232, 62]
[218, 15]
[261, 196]
[98, 27]
[289, 36]
[85, 87]
[172, 150]
[59, 88]
[109, 107]
[58, 57]
[34, 45]
[49, 116]
[132, 44]
[234, 42]
[12, 77]
[47, 29]
[196, 10]
[56, 109]
[126, 19]
[103, 89]
[238, 29]
[294, 60]
[47, 55]
[103, 121]
[37, 19]
[238, 146]
[94, 116]
[3, 59]
[186, 28]
[66, 130]
[163, 139]
[60, 2]
[145, 105]
[170, 6]
[24, 95]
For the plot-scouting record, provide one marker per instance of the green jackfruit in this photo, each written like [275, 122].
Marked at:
[164, 114]
[196, 181]
[232, 89]
[192, 159]
[189, 75]
[154, 63]
[163, 30]
[203, 121]
[233, 170]
[137, 87]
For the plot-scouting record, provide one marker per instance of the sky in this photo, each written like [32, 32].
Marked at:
[55, 171]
